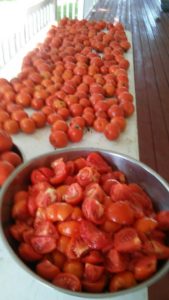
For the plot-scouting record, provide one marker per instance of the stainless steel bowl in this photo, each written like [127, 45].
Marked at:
[137, 172]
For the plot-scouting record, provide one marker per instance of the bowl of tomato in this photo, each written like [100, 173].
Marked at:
[87, 222]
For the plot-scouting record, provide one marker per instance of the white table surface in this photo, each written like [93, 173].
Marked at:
[15, 284]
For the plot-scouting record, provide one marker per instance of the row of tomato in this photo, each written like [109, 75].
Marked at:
[10, 158]
[80, 225]
[78, 71]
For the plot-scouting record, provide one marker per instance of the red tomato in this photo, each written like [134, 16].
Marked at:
[41, 174]
[73, 194]
[75, 133]
[94, 190]
[122, 281]
[6, 168]
[60, 125]
[87, 175]
[97, 161]
[47, 270]
[46, 197]
[76, 247]
[27, 253]
[77, 121]
[127, 240]
[163, 219]
[60, 170]
[68, 228]
[145, 225]
[93, 236]
[27, 125]
[43, 244]
[94, 287]
[93, 257]
[74, 267]
[116, 262]
[5, 141]
[58, 211]
[112, 131]
[58, 258]
[100, 124]
[67, 281]
[11, 157]
[145, 267]
[18, 229]
[120, 212]
[93, 272]
[93, 210]
[58, 138]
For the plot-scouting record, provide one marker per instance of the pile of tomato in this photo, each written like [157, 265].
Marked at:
[9, 158]
[80, 225]
[76, 78]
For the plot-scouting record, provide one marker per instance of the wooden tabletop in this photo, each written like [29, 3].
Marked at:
[149, 27]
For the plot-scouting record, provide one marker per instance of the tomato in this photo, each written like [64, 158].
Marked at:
[93, 236]
[128, 108]
[58, 138]
[77, 121]
[27, 125]
[93, 272]
[46, 197]
[67, 281]
[58, 211]
[60, 171]
[97, 161]
[127, 240]
[11, 126]
[157, 248]
[94, 190]
[5, 141]
[4, 116]
[60, 191]
[43, 244]
[18, 229]
[47, 270]
[122, 281]
[74, 267]
[163, 219]
[145, 225]
[6, 168]
[87, 175]
[120, 212]
[125, 96]
[93, 210]
[68, 228]
[39, 119]
[112, 131]
[79, 163]
[116, 262]
[76, 109]
[58, 258]
[94, 287]
[93, 257]
[75, 133]
[73, 194]
[41, 174]
[89, 118]
[110, 227]
[100, 124]
[11, 157]
[145, 267]
[120, 192]
[76, 247]
[60, 125]
[62, 244]
[27, 253]
[20, 195]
